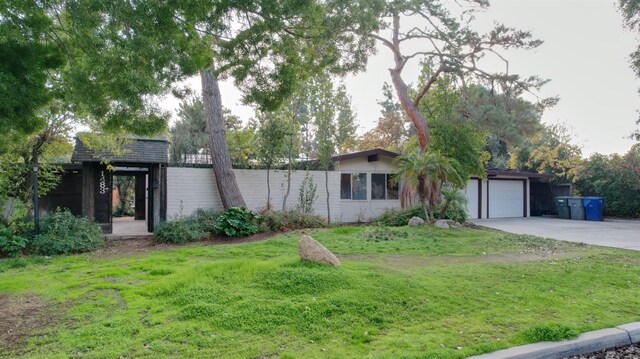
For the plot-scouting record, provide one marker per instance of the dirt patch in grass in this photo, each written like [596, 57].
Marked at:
[21, 315]
[116, 247]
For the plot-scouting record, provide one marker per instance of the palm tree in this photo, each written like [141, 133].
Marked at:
[424, 174]
[453, 199]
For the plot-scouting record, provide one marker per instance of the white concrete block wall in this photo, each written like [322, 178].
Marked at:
[191, 188]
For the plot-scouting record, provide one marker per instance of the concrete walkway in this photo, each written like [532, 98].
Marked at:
[610, 233]
[127, 228]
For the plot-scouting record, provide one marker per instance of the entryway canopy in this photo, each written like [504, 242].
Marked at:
[143, 157]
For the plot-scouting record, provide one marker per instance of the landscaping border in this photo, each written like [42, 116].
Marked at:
[589, 342]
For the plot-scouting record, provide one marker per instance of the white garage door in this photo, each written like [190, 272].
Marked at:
[471, 192]
[506, 198]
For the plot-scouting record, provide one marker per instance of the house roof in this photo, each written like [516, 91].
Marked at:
[133, 150]
[367, 153]
[493, 172]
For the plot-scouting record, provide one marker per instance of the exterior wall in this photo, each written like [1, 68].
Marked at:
[383, 165]
[365, 210]
[191, 188]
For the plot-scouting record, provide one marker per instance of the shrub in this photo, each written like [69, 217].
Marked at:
[307, 195]
[11, 244]
[236, 222]
[274, 221]
[206, 218]
[397, 217]
[61, 233]
[180, 230]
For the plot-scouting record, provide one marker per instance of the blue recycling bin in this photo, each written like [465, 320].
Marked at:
[593, 207]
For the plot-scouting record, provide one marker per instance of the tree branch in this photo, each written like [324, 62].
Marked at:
[427, 86]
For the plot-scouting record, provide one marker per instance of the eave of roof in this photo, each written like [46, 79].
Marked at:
[492, 172]
[375, 151]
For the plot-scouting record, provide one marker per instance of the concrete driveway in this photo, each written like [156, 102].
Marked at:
[610, 233]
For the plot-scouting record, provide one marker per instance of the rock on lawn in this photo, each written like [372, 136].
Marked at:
[311, 250]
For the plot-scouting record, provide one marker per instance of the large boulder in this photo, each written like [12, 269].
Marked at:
[441, 223]
[416, 221]
[311, 250]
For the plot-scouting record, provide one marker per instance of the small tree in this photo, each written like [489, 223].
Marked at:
[307, 195]
[425, 174]
[270, 147]
[324, 117]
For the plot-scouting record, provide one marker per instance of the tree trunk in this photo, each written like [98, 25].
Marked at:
[286, 195]
[326, 186]
[225, 178]
[268, 190]
[411, 110]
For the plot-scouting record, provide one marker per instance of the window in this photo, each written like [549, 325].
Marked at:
[383, 186]
[378, 185]
[393, 187]
[353, 186]
[359, 186]
[345, 186]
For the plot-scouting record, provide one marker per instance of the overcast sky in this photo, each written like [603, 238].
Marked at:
[585, 54]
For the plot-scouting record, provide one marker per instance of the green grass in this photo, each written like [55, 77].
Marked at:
[427, 293]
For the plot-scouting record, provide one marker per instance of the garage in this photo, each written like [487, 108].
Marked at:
[506, 198]
[472, 192]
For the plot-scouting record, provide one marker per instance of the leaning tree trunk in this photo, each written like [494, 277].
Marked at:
[225, 178]
[411, 110]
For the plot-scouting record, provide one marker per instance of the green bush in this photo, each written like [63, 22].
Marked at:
[275, 221]
[614, 177]
[206, 218]
[61, 233]
[549, 332]
[180, 230]
[236, 222]
[11, 244]
[398, 217]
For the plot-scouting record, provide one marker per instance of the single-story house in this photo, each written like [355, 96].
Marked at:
[358, 189]
[366, 192]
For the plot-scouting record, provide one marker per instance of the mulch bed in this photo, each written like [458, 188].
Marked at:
[626, 352]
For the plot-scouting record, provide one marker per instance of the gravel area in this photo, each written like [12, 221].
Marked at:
[627, 352]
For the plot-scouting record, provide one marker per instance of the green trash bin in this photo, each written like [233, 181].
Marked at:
[577, 208]
[562, 204]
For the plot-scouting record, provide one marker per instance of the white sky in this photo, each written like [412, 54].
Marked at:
[585, 54]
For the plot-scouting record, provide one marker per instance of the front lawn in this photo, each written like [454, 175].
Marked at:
[425, 293]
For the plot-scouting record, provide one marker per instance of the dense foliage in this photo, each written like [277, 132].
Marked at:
[237, 222]
[125, 186]
[180, 230]
[190, 140]
[62, 233]
[615, 177]
[398, 217]
[11, 243]
[275, 221]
